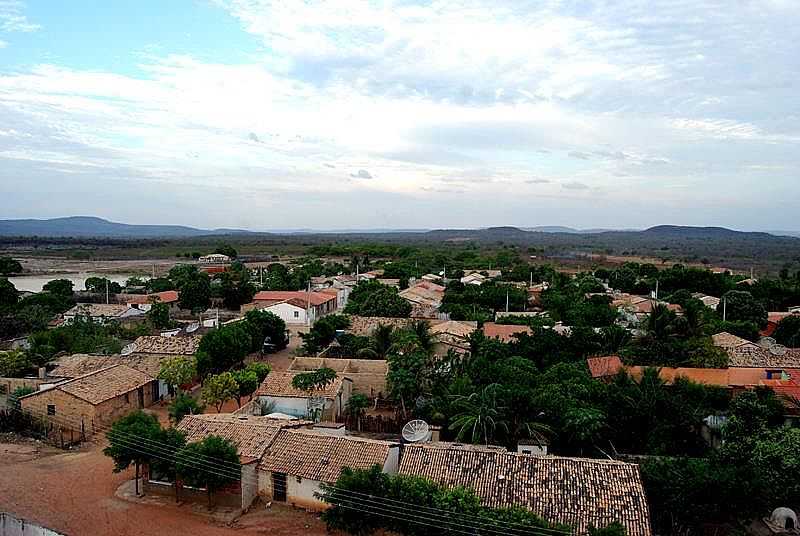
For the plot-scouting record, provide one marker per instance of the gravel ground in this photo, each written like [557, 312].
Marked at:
[74, 493]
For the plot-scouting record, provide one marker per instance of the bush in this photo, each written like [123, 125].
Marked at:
[182, 406]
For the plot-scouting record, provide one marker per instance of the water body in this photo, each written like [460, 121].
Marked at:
[34, 283]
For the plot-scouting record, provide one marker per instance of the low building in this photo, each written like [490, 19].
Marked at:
[250, 434]
[604, 367]
[425, 298]
[76, 365]
[161, 346]
[299, 461]
[278, 394]
[744, 353]
[773, 319]
[295, 307]
[144, 302]
[572, 491]
[368, 375]
[214, 258]
[452, 335]
[101, 312]
[93, 401]
[505, 332]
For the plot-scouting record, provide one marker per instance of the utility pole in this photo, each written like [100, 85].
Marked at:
[107, 291]
[656, 289]
[308, 304]
[724, 309]
[506, 300]
[531, 283]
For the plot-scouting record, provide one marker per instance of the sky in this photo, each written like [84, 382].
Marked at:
[355, 114]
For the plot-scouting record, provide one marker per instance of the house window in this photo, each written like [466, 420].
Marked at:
[297, 314]
[51, 409]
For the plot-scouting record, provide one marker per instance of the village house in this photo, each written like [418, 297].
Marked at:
[161, 346]
[295, 307]
[572, 491]
[709, 301]
[93, 401]
[744, 353]
[773, 319]
[368, 375]
[101, 312]
[214, 258]
[277, 394]
[144, 302]
[250, 434]
[452, 335]
[505, 332]
[75, 365]
[425, 299]
[299, 461]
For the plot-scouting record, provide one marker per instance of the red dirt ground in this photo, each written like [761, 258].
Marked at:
[73, 493]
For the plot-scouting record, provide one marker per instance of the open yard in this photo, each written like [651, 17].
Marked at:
[73, 492]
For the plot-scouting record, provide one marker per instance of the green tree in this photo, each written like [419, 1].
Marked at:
[741, 306]
[16, 394]
[247, 382]
[219, 389]
[357, 407]
[212, 463]
[226, 249]
[14, 363]
[158, 315]
[9, 266]
[182, 406]
[59, 287]
[323, 332]
[223, 348]
[194, 287]
[371, 298]
[178, 370]
[480, 416]
[265, 325]
[131, 442]
[787, 332]
[8, 293]
[98, 285]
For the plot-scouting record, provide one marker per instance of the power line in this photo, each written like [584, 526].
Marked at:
[230, 471]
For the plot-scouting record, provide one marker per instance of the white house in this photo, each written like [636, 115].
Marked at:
[144, 302]
[299, 461]
[295, 307]
[276, 394]
[214, 258]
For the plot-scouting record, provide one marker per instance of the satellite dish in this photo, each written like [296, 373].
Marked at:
[766, 342]
[128, 349]
[777, 349]
[417, 431]
[193, 327]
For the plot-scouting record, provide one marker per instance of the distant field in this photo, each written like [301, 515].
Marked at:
[709, 247]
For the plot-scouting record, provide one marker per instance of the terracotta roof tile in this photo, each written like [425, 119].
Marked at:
[73, 366]
[251, 434]
[156, 344]
[571, 491]
[168, 296]
[321, 457]
[504, 332]
[95, 310]
[315, 298]
[279, 384]
[105, 384]
[604, 366]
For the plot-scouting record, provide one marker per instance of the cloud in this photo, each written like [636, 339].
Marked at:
[254, 137]
[12, 18]
[361, 174]
[3, 44]
[575, 185]
[537, 181]
[580, 155]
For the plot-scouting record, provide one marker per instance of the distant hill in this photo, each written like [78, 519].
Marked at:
[89, 226]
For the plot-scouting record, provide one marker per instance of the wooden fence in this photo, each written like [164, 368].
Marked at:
[16, 421]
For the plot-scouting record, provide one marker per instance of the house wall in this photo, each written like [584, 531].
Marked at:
[249, 484]
[9, 385]
[14, 526]
[392, 464]
[368, 375]
[109, 411]
[287, 313]
[299, 494]
[71, 411]
[297, 407]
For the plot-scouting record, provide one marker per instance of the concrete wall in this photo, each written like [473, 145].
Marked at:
[9, 385]
[297, 407]
[249, 484]
[368, 375]
[299, 494]
[14, 526]
[109, 411]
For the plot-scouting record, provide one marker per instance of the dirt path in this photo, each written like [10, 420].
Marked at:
[74, 493]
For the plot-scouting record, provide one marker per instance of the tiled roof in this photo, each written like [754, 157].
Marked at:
[604, 366]
[424, 293]
[743, 353]
[321, 457]
[105, 384]
[571, 491]
[366, 325]
[279, 384]
[73, 366]
[315, 298]
[728, 340]
[504, 332]
[156, 344]
[251, 434]
[95, 310]
[727, 377]
[168, 296]
[453, 331]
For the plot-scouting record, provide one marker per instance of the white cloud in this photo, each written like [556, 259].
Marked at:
[637, 101]
[13, 19]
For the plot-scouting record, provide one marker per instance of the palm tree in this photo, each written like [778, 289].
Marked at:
[659, 323]
[422, 331]
[480, 416]
[383, 339]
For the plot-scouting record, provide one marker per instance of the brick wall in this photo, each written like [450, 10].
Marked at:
[70, 410]
[9, 385]
[109, 411]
